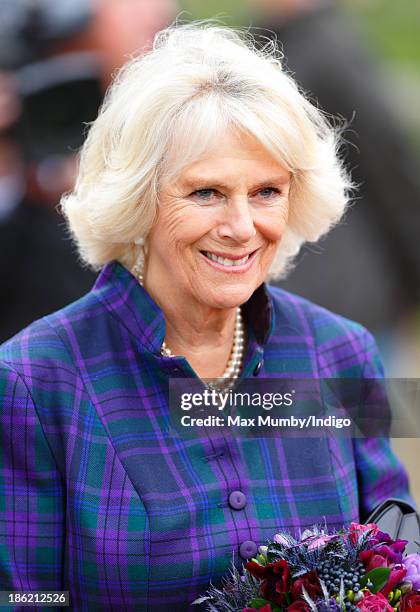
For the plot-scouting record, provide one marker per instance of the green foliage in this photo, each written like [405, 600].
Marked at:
[231, 12]
[259, 603]
[378, 577]
[392, 28]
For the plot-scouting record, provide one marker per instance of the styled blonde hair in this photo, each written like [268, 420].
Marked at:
[167, 108]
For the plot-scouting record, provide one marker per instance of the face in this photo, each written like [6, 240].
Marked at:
[219, 225]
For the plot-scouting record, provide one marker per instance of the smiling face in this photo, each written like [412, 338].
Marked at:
[218, 226]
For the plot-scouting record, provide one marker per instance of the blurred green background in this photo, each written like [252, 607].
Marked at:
[391, 28]
[392, 25]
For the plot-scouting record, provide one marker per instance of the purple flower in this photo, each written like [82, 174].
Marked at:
[383, 554]
[392, 552]
[412, 564]
[381, 536]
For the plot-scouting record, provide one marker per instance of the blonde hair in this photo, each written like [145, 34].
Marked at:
[165, 109]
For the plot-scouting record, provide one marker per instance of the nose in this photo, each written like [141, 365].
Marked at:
[238, 221]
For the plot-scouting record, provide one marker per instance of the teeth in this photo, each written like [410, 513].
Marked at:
[227, 262]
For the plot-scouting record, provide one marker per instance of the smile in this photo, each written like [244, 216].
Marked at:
[229, 264]
[226, 262]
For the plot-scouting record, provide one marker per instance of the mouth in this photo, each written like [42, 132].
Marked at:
[232, 263]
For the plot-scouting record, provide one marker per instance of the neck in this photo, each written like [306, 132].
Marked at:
[202, 334]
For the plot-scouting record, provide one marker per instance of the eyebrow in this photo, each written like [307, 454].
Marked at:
[200, 181]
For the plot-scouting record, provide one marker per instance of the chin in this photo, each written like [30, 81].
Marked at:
[228, 297]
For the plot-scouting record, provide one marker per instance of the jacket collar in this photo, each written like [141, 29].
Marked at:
[129, 302]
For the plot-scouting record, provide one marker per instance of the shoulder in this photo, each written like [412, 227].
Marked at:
[341, 346]
[46, 348]
[45, 371]
[303, 314]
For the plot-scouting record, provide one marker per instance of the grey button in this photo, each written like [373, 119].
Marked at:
[248, 549]
[237, 500]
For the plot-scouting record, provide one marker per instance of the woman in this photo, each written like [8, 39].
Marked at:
[202, 176]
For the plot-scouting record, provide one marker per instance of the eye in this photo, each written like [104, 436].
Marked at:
[205, 195]
[269, 192]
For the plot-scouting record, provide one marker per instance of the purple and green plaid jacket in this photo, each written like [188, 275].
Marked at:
[96, 497]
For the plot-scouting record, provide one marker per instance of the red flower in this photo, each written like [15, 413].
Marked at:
[274, 580]
[371, 559]
[310, 582]
[396, 576]
[298, 606]
[374, 603]
[382, 556]
[409, 602]
[266, 608]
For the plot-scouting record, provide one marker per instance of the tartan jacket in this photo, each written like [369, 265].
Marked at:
[96, 497]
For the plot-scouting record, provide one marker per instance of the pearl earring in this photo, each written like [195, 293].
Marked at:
[138, 269]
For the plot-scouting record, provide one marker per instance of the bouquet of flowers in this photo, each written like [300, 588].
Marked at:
[359, 568]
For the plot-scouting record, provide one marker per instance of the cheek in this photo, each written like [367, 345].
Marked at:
[180, 226]
[272, 223]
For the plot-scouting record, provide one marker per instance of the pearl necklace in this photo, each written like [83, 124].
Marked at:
[234, 364]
